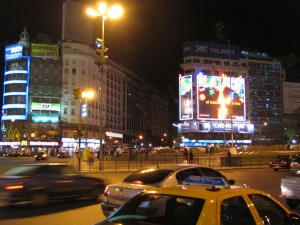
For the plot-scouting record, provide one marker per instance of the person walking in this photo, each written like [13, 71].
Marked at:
[185, 156]
[229, 158]
[191, 156]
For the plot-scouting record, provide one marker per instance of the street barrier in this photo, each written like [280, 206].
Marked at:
[125, 163]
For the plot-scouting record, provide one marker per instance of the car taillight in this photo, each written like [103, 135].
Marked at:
[44, 155]
[284, 162]
[14, 187]
[106, 191]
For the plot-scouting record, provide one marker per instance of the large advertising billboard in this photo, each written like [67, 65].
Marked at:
[185, 97]
[44, 51]
[291, 98]
[220, 98]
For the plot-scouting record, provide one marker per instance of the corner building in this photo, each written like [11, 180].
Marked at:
[218, 99]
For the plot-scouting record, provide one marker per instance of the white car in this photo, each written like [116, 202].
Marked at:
[153, 176]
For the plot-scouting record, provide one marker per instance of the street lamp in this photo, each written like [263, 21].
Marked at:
[104, 12]
[87, 94]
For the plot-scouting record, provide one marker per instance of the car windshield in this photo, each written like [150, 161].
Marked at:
[159, 209]
[282, 157]
[148, 176]
[26, 170]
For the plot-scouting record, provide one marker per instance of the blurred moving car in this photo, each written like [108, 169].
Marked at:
[41, 156]
[40, 183]
[209, 204]
[295, 166]
[281, 162]
[152, 176]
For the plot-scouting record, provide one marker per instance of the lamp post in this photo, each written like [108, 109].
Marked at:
[104, 12]
[87, 94]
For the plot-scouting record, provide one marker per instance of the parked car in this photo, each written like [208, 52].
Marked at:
[152, 176]
[41, 156]
[40, 183]
[281, 162]
[295, 166]
[207, 204]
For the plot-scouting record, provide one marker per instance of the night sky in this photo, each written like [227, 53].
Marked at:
[148, 38]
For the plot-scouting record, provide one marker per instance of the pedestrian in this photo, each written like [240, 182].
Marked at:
[191, 156]
[229, 158]
[185, 156]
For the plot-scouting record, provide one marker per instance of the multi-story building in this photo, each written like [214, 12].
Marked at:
[31, 96]
[226, 97]
[40, 111]
[265, 95]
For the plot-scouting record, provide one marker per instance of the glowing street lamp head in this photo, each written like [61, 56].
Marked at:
[92, 12]
[88, 94]
[102, 9]
[115, 12]
[112, 12]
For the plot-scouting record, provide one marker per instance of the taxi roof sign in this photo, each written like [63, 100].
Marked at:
[206, 181]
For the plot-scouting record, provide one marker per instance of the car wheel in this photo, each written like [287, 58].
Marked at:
[292, 203]
[275, 170]
[39, 199]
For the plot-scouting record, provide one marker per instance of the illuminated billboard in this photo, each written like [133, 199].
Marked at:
[220, 98]
[210, 50]
[44, 51]
[13, 52]
[185, 97]
[291, 97]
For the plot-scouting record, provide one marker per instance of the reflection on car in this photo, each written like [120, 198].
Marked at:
[281, 162]
[295, 166]
[41, 183]
[190, 204]
[152, 176]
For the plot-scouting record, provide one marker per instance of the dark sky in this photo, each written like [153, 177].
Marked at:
[148, 38]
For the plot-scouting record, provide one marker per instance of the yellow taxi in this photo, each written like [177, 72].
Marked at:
[202, 201]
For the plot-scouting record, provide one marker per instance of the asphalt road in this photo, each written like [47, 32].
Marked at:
[89, 212]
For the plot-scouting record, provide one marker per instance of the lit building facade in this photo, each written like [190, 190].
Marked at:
[31, 97]
[226, 97]
[266, 76]
[40, 112]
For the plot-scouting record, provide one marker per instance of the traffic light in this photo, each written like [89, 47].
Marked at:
[84, 112]
[100, 47]
[77, 93]
[99, 43]
[75, 134]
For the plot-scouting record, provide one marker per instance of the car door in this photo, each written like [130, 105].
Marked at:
[59, 185]
[233, 210]
[269, 211]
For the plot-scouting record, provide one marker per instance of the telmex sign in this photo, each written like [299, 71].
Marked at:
[13, 52]
[211, 50]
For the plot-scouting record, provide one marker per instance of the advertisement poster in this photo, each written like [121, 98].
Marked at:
[185, 97]
[220, 98]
